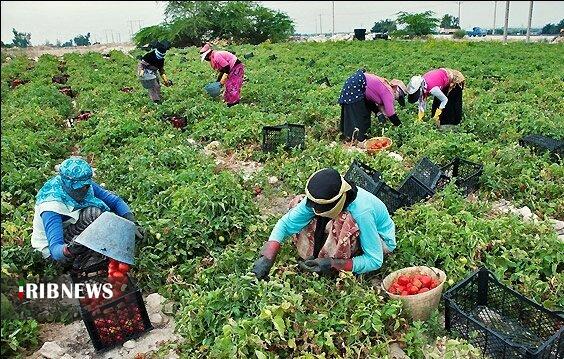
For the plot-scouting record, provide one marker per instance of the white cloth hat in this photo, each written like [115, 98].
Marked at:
[414, 84]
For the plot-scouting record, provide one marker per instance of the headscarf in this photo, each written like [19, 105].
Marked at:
[414, 88]
[205, 50]
[161, 47]
[354, 89]
[74, 174]
[328, 193]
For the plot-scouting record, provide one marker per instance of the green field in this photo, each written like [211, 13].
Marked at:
[204, 228]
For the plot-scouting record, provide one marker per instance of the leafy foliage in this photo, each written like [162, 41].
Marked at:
[21, 39]
[384, 26]
[553, 29]
[450, 22]
[18, 334]
[204, 231]
[417, 24]
[193, 22]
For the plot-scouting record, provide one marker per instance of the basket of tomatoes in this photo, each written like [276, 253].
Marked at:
[377, 144]
[112, 319]
[419, 288]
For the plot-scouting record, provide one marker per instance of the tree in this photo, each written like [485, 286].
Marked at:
[82, 40]
[193, 22]
[21, 39]
[449, 22]
[381, 26]
[417, 24]
[552, 29]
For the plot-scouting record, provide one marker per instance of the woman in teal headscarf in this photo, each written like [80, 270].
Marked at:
[66, 205]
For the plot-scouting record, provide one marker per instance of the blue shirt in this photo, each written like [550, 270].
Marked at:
[53, 221]
[372, 218]
[354, 89]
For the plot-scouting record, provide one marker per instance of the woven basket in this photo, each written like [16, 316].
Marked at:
[419, 306]
[374, 139]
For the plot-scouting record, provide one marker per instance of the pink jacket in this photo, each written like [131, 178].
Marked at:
[436, 78]
[380, 93]
[220, 59]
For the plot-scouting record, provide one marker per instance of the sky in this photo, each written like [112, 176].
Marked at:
[63, 20]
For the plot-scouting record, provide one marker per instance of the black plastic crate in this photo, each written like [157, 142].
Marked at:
[466, 174]
[369, 179]
[393, 199]
[427, 173]
[364, 176]
[501, 322]
[414, 190]
[121, 310]
[422, 181]
[287, 135]
[542, 144]
[118, 321]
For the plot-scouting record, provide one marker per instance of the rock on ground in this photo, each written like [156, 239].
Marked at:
[51, 350]
[154, 302]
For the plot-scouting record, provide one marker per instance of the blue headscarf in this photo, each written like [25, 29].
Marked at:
[74, 173]
[354, 89]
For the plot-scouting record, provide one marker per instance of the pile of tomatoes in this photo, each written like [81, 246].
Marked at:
[114, 325]
[117, 276]
[406, 285]
[378, 143]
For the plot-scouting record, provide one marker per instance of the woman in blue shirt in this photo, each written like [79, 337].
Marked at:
[339, 227]
[66, 205]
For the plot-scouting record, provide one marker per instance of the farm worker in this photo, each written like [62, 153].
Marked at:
[65, 206]
[337, 226]
[152, 63]
[364, 92]
[231, 72]
[446, 86]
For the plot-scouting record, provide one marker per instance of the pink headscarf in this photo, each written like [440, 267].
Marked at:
[205, 50]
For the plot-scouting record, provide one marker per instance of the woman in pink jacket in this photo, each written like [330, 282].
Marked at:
[231, 72]
[364, 93]
[446, 86]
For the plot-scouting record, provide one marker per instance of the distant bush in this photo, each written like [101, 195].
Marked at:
[459, 34]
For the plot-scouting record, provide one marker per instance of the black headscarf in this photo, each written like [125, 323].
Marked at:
[326, 184]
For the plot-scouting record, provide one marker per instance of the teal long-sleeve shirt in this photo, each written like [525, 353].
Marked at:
[372, 218]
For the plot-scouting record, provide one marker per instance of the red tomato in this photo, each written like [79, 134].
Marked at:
[404, 293]
[434, 284]
[123, 267]
[426, 280]
[412, 289]
[417, 283]
[403, 280]
[423, 290]
[118, 276]
[113, 265]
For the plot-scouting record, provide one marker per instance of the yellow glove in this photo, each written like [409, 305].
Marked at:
[437, 114]
[165, 80]
[223, 79]
[420, 115]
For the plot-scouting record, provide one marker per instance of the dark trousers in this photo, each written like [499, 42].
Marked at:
[452, 113]
[355, 120]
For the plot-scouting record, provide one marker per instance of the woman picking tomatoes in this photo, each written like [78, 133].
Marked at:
[337, 226]
[152, 63]
[364, 92]
[231, 72]
[446, 86]
[65, 206]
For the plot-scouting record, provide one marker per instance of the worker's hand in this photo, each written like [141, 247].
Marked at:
[139, 231]
[262, 266]
[73, 249]
[166, 80]
[223, 79]
[318, 265]
[420, 115]
[140, 72]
